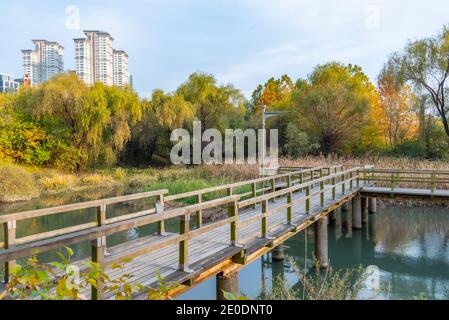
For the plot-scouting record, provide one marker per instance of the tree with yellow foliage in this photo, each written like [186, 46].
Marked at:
[395, 111]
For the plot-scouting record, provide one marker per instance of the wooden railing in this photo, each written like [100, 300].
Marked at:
[252, 188]
[98, 230]
[395, 178]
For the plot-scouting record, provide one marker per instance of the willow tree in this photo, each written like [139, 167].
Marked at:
[333, 104]
[425, 64]
[215, 106]
[91, 124]
[160, 115]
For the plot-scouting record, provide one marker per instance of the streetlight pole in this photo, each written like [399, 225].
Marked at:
[265, 116]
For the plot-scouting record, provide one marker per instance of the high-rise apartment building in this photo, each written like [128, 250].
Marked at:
[121, 73]
[97, 61]
[42, 63]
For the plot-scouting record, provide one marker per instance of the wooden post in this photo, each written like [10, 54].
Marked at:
[264, 218]
[290, 208]
[321, 243]
[160, 206]
[351, 181]
[356, 213]
[233, 212]
[254, 191]
[9, 231]
[334, 188]
[199, 213]
[98, 249]
[307, 199]
[358, 178]
[184, 244]
[322, 193]
[228, 284]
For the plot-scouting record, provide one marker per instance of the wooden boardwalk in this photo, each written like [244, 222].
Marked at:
[262, 214]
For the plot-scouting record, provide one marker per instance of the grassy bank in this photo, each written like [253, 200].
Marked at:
[25, 183]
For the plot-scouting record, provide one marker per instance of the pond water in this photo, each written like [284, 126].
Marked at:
[409, 246]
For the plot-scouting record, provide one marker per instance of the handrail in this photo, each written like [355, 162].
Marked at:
[272, 195]
[78, 206]
[240, 184]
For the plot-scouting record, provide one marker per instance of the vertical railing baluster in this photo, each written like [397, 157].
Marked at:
[351, 181]
[334, 188]
[308, 199]
[290, 207]
[233, 212]
[322, 193]
[264, 218]
[9, 231]
[254, 193]
[184, 229]
[160, 206]
[199, 213]
[98, 250]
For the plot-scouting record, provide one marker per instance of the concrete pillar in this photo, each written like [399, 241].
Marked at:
[345, 206]
[372, 205]
[333, 216]
[364, 204]
[277, 254]
[357, 213]
[338, 225]
[321, 243]
[227, 284]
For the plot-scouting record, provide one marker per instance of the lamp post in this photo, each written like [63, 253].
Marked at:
[265, 115]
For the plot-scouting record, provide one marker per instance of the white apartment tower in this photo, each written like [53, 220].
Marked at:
[42, 63]
[121, 73]
[95, 60]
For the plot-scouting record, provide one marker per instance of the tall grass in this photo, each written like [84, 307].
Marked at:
[16, 184]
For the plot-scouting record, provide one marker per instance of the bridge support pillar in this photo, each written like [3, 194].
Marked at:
[372, 205]
[321, 243]
[229, 284]
[333, 216]
[277, 254]
[357, 213]
[364, 203]
[345, 206]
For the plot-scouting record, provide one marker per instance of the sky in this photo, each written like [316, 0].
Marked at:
[243, 42]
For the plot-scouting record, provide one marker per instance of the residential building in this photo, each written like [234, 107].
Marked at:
[44, 62]
[8, 84]
[97, 61]
[121, 73]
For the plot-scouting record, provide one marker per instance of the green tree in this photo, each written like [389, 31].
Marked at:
[332, 105]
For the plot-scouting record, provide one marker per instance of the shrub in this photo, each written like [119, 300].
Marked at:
[298, 143]
[16, 184]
